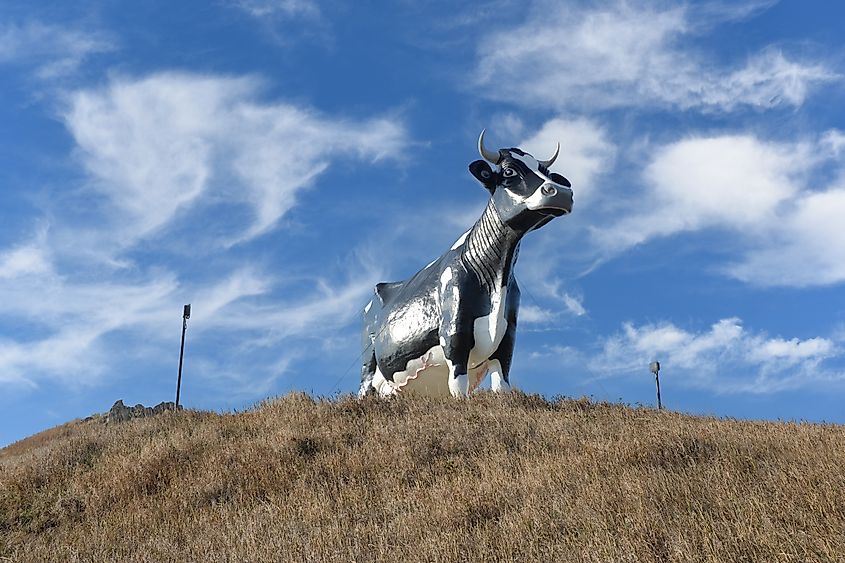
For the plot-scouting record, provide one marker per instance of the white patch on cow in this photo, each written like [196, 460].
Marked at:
[427, 375]
[460, 240]
[458, 386]
[383, 387]
[490, 329]
[533, 165]
[445, 278]
[497, 381]
[367, 308]
[527, 160]
[365, 387]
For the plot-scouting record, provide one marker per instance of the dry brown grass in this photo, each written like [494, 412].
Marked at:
[492, 479]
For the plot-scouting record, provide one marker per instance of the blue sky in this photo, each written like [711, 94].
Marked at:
[269, 161]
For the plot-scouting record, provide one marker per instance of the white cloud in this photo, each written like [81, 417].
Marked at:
[283, 8]
[574, 305]
[207, 151]
[585, 152]
[633, 54]
[792, 350]
[535, 315]
[157, 147]
[24, 260]
[537, 278]
[833, 142]
[731, 181]
[325, 308]
[74, 319]
[53, 50]
[724, 358]
[784, 228]
[806, 246]
[71, 319]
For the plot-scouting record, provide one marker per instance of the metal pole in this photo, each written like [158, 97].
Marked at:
[654, 367]
[186, 314]
[657, 379]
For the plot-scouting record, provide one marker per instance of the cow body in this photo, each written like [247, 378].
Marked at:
[441, 331]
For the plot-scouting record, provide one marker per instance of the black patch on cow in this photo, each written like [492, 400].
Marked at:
[489, 249]
[484, 174]
[386, 290]
[560, 179]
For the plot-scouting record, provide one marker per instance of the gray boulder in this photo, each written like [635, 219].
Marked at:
[121, 413]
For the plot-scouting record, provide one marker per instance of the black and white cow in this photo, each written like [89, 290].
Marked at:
[454, 321]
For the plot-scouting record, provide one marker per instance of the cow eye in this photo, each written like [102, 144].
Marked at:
[509, 172]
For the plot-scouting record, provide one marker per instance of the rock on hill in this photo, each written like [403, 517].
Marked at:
[514, 478]
[121, 413]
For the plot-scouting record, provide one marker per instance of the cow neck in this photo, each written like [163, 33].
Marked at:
[491, 248]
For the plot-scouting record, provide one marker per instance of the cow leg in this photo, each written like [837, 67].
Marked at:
[368, 371]
[458, 382]
[498, 379]
[500, 362]
[369, 366]
[457, 359]
[382, 386]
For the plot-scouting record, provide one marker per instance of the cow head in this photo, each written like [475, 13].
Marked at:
[524, 192]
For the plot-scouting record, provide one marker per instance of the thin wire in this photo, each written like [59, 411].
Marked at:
[358, 358]
[361, 355]
[346, 371]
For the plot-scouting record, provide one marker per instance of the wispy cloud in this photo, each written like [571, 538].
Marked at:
[51, 50]
[70, 318]
[26, 259]
[534, 314]
[724, 358]
[159, 147]
[73, 319]
[326, 306]
[622, 54]
[174, 146]
[279, 8]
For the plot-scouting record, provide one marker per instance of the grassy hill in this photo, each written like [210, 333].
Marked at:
[513, 478]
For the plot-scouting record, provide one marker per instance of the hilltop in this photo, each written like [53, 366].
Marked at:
[515, 478]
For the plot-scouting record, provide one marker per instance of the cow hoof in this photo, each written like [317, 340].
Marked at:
[502, 387]
[459, 386]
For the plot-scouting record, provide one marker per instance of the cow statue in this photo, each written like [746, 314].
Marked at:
[441, 331]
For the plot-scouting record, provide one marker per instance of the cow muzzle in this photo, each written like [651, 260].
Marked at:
[552, 199]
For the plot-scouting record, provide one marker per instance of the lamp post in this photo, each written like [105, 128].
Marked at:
[655, 369]
[186, 314]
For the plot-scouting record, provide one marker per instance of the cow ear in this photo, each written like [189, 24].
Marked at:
[560, 179]
[484, 174]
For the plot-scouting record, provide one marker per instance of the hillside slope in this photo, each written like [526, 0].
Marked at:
[513, 478]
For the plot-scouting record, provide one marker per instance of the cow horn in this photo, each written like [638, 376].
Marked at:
[493, 157]
[551, 161]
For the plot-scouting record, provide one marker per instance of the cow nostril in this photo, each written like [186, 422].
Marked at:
[549, 190]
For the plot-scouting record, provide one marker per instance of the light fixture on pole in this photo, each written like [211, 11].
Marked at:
[186, 314]
[655, 369]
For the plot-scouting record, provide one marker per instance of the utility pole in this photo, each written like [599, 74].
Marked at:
[186, 314]
[655, 369]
